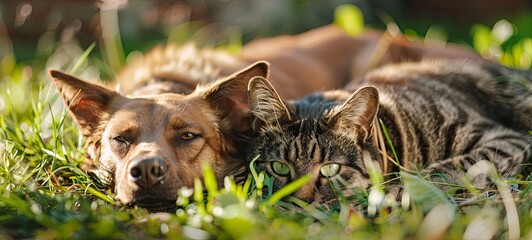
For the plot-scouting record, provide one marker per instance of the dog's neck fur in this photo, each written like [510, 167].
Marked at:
[177, 69]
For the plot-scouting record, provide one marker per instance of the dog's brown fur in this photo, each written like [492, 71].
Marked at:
[172, 110]
[321, 59]
[328, 58]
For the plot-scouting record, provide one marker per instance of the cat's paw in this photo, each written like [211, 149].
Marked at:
[479, 174]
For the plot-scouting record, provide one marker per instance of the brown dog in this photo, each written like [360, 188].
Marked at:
[153, 145]
[172, 110]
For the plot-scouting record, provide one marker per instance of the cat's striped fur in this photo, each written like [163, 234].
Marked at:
[441, 117]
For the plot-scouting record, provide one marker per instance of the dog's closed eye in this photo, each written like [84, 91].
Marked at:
[121, 139]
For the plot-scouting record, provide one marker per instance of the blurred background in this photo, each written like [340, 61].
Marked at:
[33, 30]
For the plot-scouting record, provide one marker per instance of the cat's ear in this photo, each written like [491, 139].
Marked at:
[266, 106]
[229, 96]
[357, 112]
[87, 102]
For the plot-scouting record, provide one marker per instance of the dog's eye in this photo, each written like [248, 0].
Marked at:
[121, 139]
[187, 136]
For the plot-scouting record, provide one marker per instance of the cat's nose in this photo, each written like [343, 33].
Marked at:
[147, 172]
[306, 193]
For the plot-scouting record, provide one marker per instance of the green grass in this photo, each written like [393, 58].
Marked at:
[44, 193]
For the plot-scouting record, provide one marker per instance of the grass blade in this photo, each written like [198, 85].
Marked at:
[288, 189]
[423, 193]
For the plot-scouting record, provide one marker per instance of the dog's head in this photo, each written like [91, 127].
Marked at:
[151, 146]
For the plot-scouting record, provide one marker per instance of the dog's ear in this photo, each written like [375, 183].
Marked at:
[229, 96]
[267, 108]
[357, 113]
[86, 101]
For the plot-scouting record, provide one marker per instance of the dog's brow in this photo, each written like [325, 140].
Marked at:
[125, 129]
[178, 125]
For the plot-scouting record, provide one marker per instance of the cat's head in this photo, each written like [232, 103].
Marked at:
[325, 136]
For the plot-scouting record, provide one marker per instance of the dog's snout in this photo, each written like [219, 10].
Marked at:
[148, 172]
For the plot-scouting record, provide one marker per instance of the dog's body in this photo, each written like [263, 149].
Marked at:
[173, 110]
[328, 58]
[321, 59]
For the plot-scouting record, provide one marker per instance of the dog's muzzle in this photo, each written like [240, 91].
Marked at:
[147, 172]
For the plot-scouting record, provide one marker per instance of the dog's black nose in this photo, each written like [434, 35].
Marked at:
[148, 171]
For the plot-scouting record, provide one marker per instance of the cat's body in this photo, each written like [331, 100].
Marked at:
[440, 116]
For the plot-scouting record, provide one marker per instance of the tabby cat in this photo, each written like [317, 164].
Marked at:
[440, 116]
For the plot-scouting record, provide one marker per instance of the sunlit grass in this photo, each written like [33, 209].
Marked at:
[45, 194]
[494, 43]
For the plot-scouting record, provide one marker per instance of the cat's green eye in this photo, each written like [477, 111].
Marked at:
[330, 170]
[280, 168]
